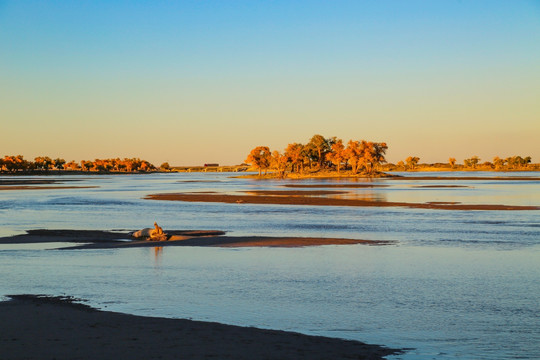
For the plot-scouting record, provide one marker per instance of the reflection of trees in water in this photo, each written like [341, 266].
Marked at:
[364, 196]
[329, 194]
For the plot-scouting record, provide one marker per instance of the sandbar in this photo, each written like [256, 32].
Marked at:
[440, 186]
[37, 184]
[295, 193]
[321, 201]
[39, 327]
[26, 182]
[352, 186]
[101, 239]
[31, 187]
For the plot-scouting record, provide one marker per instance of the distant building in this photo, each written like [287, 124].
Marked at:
[211, 165]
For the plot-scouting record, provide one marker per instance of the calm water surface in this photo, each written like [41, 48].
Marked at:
[457, 284]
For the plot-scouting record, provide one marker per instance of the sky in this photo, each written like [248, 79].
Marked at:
[194, 82]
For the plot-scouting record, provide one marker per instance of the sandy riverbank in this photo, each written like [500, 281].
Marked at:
[56, 328]
[325, 201]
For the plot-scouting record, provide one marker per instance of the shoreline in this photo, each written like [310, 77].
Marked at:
[47, 327]
[389, 175]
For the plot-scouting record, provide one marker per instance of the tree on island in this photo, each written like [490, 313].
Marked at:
[165, 166]
[472, 162]
[337, 155]
[517, 162]
[260, 158]
[12, 163]
[296, 155]
[378, 152]
[412, 161]
[43, 163]
[498, 163]
[59, 163]
[361, 155]
[72, 165]
[279, 162]
[317, 148]
[354, 154]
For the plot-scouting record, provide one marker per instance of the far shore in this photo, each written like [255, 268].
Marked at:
[49, 327]
[272, 174]
[385, 176]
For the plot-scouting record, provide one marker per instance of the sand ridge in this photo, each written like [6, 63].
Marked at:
[103, 239]
[325, 201]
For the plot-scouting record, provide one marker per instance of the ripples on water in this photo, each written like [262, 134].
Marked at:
[459, 284]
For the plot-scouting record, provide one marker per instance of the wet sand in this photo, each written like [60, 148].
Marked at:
[320, 201]
[34, 327]
[97, 239]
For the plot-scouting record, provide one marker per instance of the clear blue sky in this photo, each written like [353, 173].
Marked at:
[190, 82]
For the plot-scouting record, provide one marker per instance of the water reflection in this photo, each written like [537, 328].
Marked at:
[158, 254]
[328, 194]
[364, 196]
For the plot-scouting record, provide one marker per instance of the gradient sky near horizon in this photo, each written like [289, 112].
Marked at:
[192, 82]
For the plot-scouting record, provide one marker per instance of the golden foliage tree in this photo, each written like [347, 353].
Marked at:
[471, 162]
[353, 153]
[317, 148]
[296, 155]
[259, 157]
[337, 155]
[279, 162]
[412, 161]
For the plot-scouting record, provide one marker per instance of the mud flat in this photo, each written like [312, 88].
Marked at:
[324, 201]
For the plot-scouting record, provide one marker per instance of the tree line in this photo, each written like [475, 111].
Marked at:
[473, 163]
[17, 163]
[320, 153]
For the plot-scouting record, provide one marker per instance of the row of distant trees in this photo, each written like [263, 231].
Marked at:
[16, 163]
[358, 156]
[510, 163]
